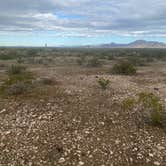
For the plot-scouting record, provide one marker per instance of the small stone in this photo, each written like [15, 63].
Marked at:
[7, 132]
[151, 154]
[102, 123]
[117, 141]
[69, 92]
[90, 156]
[111, 153]
[156, 163]
[98, 139]
[81, 163]
[61, 160]
[160, 147]
[3, 110]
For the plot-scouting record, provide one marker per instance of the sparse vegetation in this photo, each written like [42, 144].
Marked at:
[123, 68]
[47, 81]
[93, 62]
[17, 88]
[16, 84]
[103, 83]
[151, 105]
[69, 100]
[81, 61]
[16, 69]
[128, 103]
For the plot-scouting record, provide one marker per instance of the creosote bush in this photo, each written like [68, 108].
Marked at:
[103, 83]
[128, 103]
[18, 81]
[150, 107]
[16, 88]
[123, 68]
[93, 62]
[47, 81]
[16, 84]
[16, 69]
[81, 61]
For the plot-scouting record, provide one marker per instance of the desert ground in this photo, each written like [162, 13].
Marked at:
[69, 120]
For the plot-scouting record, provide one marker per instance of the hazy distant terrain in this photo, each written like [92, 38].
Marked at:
[135, 44]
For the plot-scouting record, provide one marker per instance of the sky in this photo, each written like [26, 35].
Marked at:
[80, 22]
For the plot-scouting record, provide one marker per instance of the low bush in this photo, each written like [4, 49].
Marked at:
[20, 60]
[16, 84]
[93, 62]
[128, 103]
[123, 68]
[46, 81]
[16, 88]
[103, 83]
[136, 61]
[81, 61]
[16, 69]
[150, 107]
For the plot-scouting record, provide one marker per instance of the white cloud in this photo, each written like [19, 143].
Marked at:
[125, 17]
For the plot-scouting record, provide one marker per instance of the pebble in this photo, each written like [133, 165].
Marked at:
[3, 110]
[151, 154]
[117, 141]
[160, 147]
[156, 163]
[61, 160]
[81, 163]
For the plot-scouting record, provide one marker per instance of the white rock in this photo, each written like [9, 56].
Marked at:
[117, 141]
[160, 147]
[156, 163]
[2, 111]
[151, 154]
[7, 132]
[61, 160]
[81, 163]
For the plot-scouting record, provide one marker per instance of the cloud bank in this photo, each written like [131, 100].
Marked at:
[85, 17]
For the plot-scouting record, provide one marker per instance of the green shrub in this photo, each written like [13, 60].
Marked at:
[81, 61]
[16, 69]
[151, 104]
[103, 83]
[110, 57]
[46, 81]
[93, 62]
[128, 103]
[20, 60]
[150, 107]
[16, 84]
[136, 61]
[124, 68]
[16, 88]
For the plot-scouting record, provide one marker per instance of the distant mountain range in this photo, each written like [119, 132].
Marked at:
[135, 44]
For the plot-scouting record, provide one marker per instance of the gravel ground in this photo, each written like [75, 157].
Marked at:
[82, 125]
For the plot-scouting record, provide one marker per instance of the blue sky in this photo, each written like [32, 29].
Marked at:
[83, 22]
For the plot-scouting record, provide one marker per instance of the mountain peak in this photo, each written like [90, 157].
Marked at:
[136, 44]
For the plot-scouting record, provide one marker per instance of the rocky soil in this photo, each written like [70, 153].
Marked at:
[75, 123]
